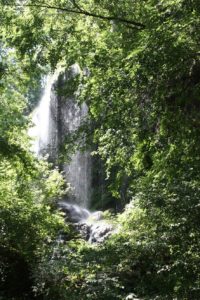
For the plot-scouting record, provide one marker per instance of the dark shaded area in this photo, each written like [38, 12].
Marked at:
[15, 276]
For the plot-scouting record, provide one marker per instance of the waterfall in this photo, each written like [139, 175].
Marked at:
[40, 131]
[70, 116]
[55, 118]
[78, 170]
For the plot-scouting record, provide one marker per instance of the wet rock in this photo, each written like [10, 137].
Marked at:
[99, 232]
[132, 297]
[97, 215]
[74, 212]
[84, 230]
[91, 226]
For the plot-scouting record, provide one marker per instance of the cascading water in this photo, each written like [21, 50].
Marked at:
[54, 118]
[70, 115]
[90, 224]
[41, 117]
[78, 170]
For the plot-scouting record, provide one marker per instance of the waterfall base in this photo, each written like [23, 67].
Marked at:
[90, 225]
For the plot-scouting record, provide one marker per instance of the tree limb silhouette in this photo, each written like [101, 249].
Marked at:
[78, 10]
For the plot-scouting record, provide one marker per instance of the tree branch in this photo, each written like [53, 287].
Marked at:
[80, 11]
[76, 5]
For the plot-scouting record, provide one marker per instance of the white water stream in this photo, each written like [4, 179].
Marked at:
[40, 131]
[77, 172]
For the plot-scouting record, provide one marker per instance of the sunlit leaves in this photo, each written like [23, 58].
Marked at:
[142, 92]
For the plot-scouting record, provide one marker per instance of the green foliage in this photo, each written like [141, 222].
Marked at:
[28, 189]
[143, 98]
[28, 224]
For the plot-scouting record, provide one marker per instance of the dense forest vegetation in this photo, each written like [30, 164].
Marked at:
[143, 94]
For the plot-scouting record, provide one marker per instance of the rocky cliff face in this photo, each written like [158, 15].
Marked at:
[66, 117]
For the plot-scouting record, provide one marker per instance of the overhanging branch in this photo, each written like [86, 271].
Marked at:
[80, 11]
